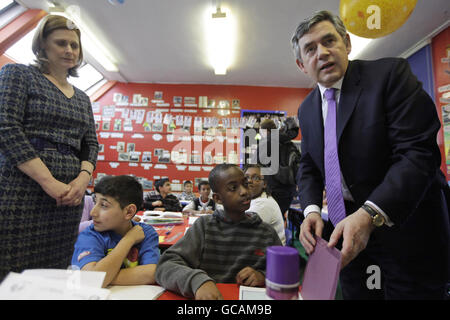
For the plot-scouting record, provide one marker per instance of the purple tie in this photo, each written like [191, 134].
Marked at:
[336, 207]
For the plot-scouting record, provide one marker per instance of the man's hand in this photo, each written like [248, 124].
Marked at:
[208, 291]
[250, 277]
[312, 225]
[355, 230]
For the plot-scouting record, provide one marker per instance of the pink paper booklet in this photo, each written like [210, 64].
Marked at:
[322, 272]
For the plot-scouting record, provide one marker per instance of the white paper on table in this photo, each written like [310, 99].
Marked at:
[84, 278]
[252, 293]
[143, 292]
[18, 286]
[163, 214]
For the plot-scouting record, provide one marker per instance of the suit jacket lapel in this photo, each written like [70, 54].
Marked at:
[317, 122]
[350, 92]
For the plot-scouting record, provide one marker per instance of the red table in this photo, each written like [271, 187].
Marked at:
[176, 233]
[229, 291]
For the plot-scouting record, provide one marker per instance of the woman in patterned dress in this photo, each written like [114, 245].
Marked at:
[48, 150]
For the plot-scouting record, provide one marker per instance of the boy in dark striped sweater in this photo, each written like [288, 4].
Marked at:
[225, 247]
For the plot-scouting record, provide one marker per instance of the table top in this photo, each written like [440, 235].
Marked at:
[229, 291]
[170, 234]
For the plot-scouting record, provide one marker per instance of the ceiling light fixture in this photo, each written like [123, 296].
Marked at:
[220, 32]
[90, 43]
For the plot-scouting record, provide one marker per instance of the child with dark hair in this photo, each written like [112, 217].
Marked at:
[162, 199]
[227, 246]
[262, 202]
[126, 250]
[187, 193]
[203, 204]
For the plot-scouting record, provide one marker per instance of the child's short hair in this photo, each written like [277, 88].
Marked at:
[216, 172]
[248, 166]
[267, 189]
[187, 182]
[124, 189]
[202, 183]
[159, 183]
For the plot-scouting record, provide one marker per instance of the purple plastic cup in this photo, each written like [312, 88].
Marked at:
[282, 273]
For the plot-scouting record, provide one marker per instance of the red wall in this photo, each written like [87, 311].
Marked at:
[441, 69]
[250, 97]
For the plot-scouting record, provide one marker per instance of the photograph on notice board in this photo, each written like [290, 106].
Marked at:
[196, 158]
[144, 102]
[123, 156]
[211, 103]
[106, 125]
[147, 184]
[157, 127]
[207, 158]
[189, 100]
[165, 157]
[177, 100]
[120, 146]
[223, 104]
[158, 95]
[117, 125]
[158, 152]
[147, 127]
[136, 98]
[134, 156]
[131, 147]
[147, 156]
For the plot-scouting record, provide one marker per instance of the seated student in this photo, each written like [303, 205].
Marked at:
[161, 199]
[202, 204]
[86, 219]
[227, 247]
[262, 203]
[187, 194]
[126, 250]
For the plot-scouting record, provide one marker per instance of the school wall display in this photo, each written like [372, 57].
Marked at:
[441, 70]
[178, 131]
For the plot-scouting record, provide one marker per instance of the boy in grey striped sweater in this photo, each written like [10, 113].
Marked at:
[227, 246]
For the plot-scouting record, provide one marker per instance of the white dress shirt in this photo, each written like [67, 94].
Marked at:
[345, 191]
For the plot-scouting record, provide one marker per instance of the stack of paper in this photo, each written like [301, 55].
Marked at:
[53, 284]
[162, 217]
[144, 292]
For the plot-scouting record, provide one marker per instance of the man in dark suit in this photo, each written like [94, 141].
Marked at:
[387, 211]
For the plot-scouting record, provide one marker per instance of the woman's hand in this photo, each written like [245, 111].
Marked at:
[76, 194]
[56, 189]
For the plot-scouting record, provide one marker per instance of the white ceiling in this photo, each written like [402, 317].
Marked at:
[162, 41]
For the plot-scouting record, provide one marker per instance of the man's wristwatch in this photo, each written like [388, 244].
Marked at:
[377, 218]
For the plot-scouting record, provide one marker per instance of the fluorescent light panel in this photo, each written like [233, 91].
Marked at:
[221, 38]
